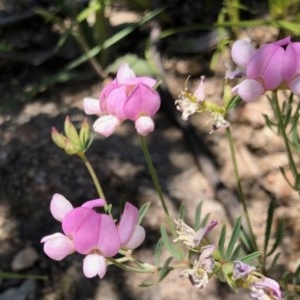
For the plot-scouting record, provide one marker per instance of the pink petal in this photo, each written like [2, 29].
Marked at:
[115, 101]
[266, 65]
[242, 51]
[128, 222]
[91, 106]
[199, 93]
[94, 264]
[249, 90]
[136, 238]
[124, 73]
[106, 125]
[150, 82]
[59, 207]
[144, 125]
[142, 101]
[75, 218]
[288, 66]
[94, 203]
[57, 246]
[97, 232]
[291, 61]
[283, 41]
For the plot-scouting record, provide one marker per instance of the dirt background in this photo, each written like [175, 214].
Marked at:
[192, 166]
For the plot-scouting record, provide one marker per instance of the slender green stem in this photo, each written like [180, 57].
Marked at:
[239, 187]
[94, 178]
[119, 263]
[282, 132]
[154, 175]
[156, 184]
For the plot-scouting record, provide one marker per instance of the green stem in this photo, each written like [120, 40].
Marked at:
[282, 132]
[119, 263]
[156, 183]
[94, 178]
[239, 188]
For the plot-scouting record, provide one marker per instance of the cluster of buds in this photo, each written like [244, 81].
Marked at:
[210, 263]
[72, 141]
[273, 66]
[93, 234]
[127, 97]
[190, 103]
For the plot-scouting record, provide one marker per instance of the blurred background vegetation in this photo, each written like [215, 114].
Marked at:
[84, 39]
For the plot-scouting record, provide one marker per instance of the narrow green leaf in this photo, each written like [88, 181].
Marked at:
[295, 138]
[278, 237]
[165, 270]
[246, 241]
[248, 258]
[269, 222]
[197, 217]
[168, 244]
[269, 122]
[182, 212]
[64, 75]
[143, 210]
[221, 243]
[233, 102]
[204, 221]
[92, 8]
[287, 110]
[158, 251]
[234, 238]
[274, 262]
[282, 171]
[236, 253]
[292, 27]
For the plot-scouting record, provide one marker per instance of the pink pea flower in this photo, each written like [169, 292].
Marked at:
[263, 68]
[127, 97]
[92, 234]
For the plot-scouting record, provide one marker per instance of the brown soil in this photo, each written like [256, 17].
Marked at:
[191, 164]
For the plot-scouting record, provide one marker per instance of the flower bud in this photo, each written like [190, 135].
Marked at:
[84, 134]
[70, 148]
[71, 132]
[58, 139]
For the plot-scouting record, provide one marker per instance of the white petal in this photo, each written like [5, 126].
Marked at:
[242, 51]
[57, 246]
[91, 106]
[249, 90]
[106, 125]
[59, 207]
[94, 264]
[144, 125]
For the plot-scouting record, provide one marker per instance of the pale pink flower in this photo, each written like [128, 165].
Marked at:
[127, 97]
[92, 234]
[265, 68]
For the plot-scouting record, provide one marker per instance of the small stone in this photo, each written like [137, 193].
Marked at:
[25, 292]
[24, 259]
